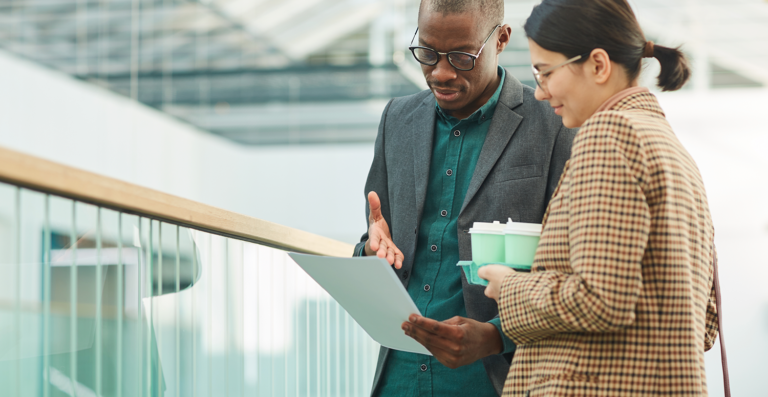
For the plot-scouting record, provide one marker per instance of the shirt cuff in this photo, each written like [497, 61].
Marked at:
[509, 346]
[362, 251]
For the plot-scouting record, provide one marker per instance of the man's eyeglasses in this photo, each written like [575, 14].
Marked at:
[539, 76]
[459, 60]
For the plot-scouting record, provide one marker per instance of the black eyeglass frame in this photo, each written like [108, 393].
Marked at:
[537, 75]
[448, 54]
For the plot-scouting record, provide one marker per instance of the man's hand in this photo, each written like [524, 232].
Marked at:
[379, 239]
[457, 341]
[495, 275]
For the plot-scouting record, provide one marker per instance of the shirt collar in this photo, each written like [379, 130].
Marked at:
[485, 113]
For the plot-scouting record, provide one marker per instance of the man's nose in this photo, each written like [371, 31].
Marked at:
[443, 71]
[541, 94]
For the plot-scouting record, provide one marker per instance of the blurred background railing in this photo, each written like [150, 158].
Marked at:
[269, 109]
[106, 292]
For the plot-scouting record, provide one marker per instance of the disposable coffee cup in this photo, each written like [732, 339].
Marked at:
[520, 243]
[487, 247]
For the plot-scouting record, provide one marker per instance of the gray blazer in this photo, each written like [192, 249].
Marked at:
[517, 172]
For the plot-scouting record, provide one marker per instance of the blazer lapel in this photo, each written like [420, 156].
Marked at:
[423, 136]
[503, 125]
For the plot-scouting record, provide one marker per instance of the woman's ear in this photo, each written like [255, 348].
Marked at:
[600, 66]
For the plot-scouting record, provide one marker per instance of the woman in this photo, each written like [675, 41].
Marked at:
[620, 298]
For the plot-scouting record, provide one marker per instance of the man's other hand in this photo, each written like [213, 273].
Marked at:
[457, 341]
[379, 239]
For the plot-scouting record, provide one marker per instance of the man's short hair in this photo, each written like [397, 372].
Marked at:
[491, 11]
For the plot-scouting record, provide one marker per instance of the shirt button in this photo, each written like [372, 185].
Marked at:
[456, 133]
[449, 172]
[426, 288]
[434, 248]
[423, 367]
[443, 212]
[405, 275]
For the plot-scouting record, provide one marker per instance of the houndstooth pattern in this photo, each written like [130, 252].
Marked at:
[620, 300]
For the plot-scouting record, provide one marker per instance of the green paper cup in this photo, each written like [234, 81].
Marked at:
[487, 247]
[520, 243]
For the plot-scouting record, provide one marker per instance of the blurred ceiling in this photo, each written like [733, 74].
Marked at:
[314, 71]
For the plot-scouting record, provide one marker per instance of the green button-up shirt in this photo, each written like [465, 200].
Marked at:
[435, 284]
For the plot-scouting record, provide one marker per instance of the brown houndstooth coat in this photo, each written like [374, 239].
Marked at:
[620, 300]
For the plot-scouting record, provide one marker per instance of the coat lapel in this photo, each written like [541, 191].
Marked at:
[503, 125]
[423, 136]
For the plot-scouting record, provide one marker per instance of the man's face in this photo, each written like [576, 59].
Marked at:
[461, 92]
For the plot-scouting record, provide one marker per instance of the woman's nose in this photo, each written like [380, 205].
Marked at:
[541, 94]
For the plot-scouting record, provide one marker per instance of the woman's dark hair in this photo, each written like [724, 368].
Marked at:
[573, 27]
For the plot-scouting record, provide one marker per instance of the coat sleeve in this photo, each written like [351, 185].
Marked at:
[608, 227]
[712, 327]
[377, 180]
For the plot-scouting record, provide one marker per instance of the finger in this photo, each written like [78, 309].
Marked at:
[433, 327]
[383, 246]
[374, 204]
[390, 255]
[399, 258]
[443, 349]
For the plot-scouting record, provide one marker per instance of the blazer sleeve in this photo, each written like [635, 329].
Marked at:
[377, 180]
[608, 228]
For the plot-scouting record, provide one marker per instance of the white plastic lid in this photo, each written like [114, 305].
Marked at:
[523, 229]
[487, 228]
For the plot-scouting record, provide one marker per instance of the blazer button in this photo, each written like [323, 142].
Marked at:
[433, 248]
[423, 367]
[404, 275]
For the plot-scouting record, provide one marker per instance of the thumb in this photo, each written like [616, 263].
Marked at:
[374, 205]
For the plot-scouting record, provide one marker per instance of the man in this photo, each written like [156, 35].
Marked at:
[476, 147]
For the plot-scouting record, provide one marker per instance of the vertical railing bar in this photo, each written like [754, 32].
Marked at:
[309, 333]
[286, 325]
[139, 310]
[156, 310]
[347, 350]
[243, 314]
[271, 323]
[178, 309]
[17, 309]
[99, 288]
[210, 314]
[355, 355]
[193, 293]
[47, 299]
[120, 304]
[296, 275]
[150, 293]
[73, 300]
[328, 346]
[226, 316]
[258, 320]
[317, 345]
[338, 350]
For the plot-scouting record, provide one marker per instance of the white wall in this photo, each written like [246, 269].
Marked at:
[48, 114]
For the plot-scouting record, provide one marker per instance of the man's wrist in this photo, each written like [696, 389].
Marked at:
[494, 344]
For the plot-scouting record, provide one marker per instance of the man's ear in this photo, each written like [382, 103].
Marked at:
[505, 32]
[600, 66]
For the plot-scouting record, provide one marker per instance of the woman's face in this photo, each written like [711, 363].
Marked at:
[568, 89]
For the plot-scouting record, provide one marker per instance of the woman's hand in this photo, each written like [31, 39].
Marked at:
[495, 275]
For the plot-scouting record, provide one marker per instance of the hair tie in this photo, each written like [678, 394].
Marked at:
[648, 51]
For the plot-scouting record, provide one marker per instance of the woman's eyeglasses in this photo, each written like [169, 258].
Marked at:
[459, 60]
[539, 76]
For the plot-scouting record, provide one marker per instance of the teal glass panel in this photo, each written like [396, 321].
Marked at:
[95, 302]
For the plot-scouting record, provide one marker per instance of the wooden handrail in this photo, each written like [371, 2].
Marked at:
[49, 177]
